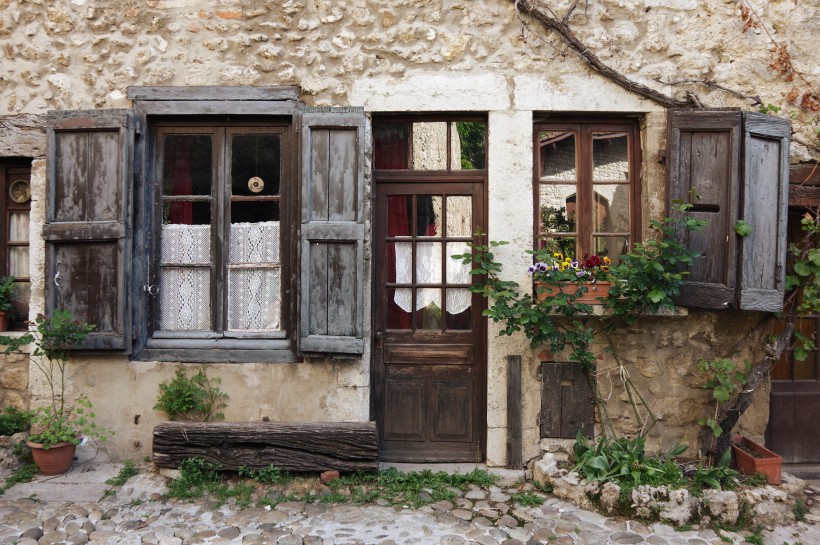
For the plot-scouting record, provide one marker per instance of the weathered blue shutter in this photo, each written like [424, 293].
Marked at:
[765, 207]
[332, 231]
[703, 159]
[87, 229]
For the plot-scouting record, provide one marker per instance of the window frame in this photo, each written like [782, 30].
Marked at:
[584, 127]
[11, 171]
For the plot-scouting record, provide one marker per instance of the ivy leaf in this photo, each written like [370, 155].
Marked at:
[742, 228]
[655, 296]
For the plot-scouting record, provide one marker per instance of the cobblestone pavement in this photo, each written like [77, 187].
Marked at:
[63, 510]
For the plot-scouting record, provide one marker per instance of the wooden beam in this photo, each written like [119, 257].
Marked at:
[341, 446]
[514, 453]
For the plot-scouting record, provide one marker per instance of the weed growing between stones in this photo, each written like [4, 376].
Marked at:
[128, 470]
[22, 474]
[527, 499]
[800, 509]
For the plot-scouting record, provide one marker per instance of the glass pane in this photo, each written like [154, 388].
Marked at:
[398, 308]
[253, 299]
[428, 306]
[399, 209]
[458, 272]
[557, 149]
[186, 244]
[186, 213]
[613, 247]
[430, 146]
[611, 208]
[459, 312]
[20, 299]
[187, 164]
[469, 145]
[185, 298]
[18, 226]
[400, 253]
[390, 146]
[428, 216]
[459, 216]
[428, 263]
[609, 156]
[18, 261]
[255, 168]
[254, 211]
[254, 243]
[563, 245]
[558, 208]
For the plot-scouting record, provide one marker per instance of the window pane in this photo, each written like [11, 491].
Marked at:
[459, 312]
[401, 253]
[390, 145]
[469, 145]
[557, 149]
[398, 308]
[254, 243]
[428, 216]
[253, 299]
[613, 247]
[428, 263]
[399, 209]
[18, 226]
[609, 156]
[428, 306]
[430, 146]
[564, 245]
[186, 245]
[185, 298]
[611, 208]
[459, 216]
[558, 208]
[187, 165]
[255, 168]
[18, 261]
[20, 299]
[255, 211]
[458, 272]
[186, 213]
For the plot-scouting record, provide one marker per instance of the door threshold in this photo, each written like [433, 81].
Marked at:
[453, 468]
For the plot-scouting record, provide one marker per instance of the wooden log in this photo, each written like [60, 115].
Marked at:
[319, 446]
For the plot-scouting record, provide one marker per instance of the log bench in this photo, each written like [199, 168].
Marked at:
[308, 447]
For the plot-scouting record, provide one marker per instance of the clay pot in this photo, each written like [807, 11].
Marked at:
[751, 458]
[595, 291]
[54, 460]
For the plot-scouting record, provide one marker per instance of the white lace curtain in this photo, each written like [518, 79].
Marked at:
[429, 270]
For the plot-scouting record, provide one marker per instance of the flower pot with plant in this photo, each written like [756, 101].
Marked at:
[61, 424]
[752, 458]
[586, 281]
[6, 307]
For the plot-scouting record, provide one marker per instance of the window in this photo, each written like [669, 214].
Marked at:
[178, 237]
[587, 198]
[15, 201]
[221, 264]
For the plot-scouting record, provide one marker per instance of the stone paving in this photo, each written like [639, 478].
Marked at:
[69, 509]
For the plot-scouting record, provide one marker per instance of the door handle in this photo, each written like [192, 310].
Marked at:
[379, 340]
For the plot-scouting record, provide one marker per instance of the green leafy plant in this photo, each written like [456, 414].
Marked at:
[195, 398]
[7, 288]
[725, 381]
[128, 470]
[53, 339]
[527, 499]
[743, 228]
[14, 420]
[22, 474]
[805, 277]
[196, 477]
[266, 475]
[718, 477]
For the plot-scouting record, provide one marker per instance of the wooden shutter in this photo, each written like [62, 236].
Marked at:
[765, 207]
[703, 157]
[332, 231]
[87, 231]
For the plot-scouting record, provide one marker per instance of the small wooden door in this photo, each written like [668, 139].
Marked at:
[429, 350]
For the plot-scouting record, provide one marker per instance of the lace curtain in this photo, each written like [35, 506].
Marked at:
[428, 270]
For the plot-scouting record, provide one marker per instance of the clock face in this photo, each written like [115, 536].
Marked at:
[19, 191]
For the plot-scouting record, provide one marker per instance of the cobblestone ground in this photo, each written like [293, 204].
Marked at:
[138, 514]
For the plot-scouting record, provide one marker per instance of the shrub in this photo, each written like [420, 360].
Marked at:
[196, 398]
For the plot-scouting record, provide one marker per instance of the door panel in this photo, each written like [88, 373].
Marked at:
[429, 355]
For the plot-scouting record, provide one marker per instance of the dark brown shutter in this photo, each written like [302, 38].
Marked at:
[765, 204]
[332, 231]
[703, 158]
[87, 231]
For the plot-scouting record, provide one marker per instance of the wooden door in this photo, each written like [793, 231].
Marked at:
[429, 350]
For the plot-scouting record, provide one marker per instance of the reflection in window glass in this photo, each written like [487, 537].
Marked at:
[469, 145]
[398, 317]
[390, 145]
[557, 149]
[558, 208]
[612, 247]
[611, 208]
[428, 306]
[187, 165]
[609, 156]
[399, 212]
[186, 213]
[564, 245]
[428, 215]
[430, 146]
[459, 216]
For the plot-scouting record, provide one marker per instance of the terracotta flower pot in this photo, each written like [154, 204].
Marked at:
[4, 320]
[54, 460]
[595, 294]
[751, 458]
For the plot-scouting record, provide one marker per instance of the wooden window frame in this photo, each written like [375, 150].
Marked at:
[584, 127]
[10, 171]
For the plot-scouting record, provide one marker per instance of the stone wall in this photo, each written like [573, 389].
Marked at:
[403, 56]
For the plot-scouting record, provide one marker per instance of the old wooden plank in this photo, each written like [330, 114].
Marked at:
[345, 446]
[204, 107]
[514, 424]
[550, 399]
[201, 355]
[804, 195]
[426, 354]
[318, 177]
[332, 344]
[214, 93]
[804, 174]
[333, 230]
[317, 288]
[342, 278]
[104, 230]
[342, 160]
[577, 403]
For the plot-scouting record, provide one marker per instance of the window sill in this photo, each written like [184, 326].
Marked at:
[600, 310]
[219, 350]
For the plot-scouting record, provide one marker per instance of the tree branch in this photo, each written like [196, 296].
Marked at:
[562, 29]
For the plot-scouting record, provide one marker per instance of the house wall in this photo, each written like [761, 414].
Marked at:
[402, 56]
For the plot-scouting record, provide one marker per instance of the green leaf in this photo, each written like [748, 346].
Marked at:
[742, 228]
[655, 296]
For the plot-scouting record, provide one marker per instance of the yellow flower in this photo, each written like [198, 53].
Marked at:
[607, 261]
[558, 255]
[568, 260]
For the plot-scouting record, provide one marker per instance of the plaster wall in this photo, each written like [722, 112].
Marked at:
[400, 56]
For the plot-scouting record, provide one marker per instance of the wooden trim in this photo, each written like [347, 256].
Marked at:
[218, 108]
[212, 355]
[213, 93]
[808, 196]
[514, 424]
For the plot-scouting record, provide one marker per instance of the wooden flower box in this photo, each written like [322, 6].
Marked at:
[595, 294]
[751, 458]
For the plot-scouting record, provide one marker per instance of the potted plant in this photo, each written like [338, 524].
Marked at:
[6, 307]
[752, 458]
[60, 425]
[586, 280]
